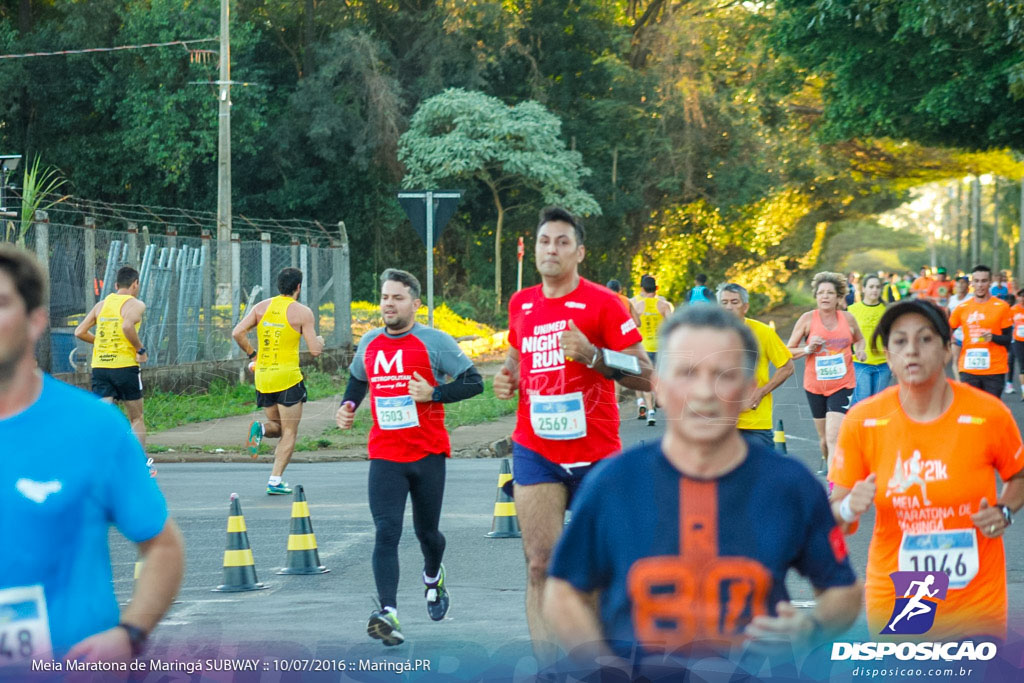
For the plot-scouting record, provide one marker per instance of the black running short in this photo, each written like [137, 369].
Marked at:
[1017, 358]
[120, 384]
[992, 384]
[289, 397]
[838, 402]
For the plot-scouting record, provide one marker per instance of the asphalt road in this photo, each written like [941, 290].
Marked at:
[300, 619]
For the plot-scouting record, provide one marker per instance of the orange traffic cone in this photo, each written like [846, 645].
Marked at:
[505, 523]
[303, 557]
[239, 567]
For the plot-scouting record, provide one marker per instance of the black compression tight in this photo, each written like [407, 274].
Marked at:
[390, 484]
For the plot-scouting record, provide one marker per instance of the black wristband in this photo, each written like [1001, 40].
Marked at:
[136, 638]
[141, 351]
[253, 354]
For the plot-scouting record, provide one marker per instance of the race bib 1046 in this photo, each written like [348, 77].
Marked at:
[24, 626]
[954, 552]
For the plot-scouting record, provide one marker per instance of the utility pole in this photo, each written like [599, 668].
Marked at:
[996, 242]
[1020, 245]
[224, 161]
[959, 220]
[975, 221]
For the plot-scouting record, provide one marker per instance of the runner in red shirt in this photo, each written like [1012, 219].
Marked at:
[568, 413]
[403, 366]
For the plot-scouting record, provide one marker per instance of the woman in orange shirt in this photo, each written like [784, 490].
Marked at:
[925, 453]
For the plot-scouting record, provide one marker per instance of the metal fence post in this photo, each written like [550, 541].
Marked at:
[206, 284]
[236, 285]
[314, 286]
[172, 236]
[90, 262]
[41, 222]
[295, 253]
[342, 290]
[265, 249]
[304, 267]
[133, 245]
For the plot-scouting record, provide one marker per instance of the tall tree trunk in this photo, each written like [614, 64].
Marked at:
[497, 249]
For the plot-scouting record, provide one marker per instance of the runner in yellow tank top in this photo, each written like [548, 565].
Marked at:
[653, 310]
[281, 322]
[117, 348]
[277, 364]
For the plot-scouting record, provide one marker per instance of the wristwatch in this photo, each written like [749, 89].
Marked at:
[142, 351]
[1007, 514]
[436, 397]
[253, 354]
[136, 638]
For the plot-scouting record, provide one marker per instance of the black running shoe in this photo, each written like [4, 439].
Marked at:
[437, 598]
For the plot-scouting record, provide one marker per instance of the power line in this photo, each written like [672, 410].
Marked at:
[183, 43]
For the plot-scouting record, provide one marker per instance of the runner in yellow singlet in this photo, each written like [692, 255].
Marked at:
[117, 350]
[653, 310]
[281, 322]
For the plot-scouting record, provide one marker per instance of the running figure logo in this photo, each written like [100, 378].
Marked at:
[906, 475]
[917, 596]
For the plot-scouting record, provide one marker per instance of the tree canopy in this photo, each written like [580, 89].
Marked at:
[516, 152]
[720, 137]
[939, 72]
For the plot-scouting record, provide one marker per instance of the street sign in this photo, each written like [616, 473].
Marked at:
[429, 224]
[414, 204]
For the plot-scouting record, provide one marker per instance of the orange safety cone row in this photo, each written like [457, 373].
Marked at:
[239, 567]
[303, 556]
[505, 523]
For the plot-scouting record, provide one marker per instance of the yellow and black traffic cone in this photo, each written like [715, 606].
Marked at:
[239, 568]
[780, 439]
[505, 523]
[303, 557]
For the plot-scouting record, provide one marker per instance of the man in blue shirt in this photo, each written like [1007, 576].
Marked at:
[70, 467]
[686, 543]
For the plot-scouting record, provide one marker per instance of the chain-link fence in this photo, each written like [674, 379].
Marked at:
[189, 315]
